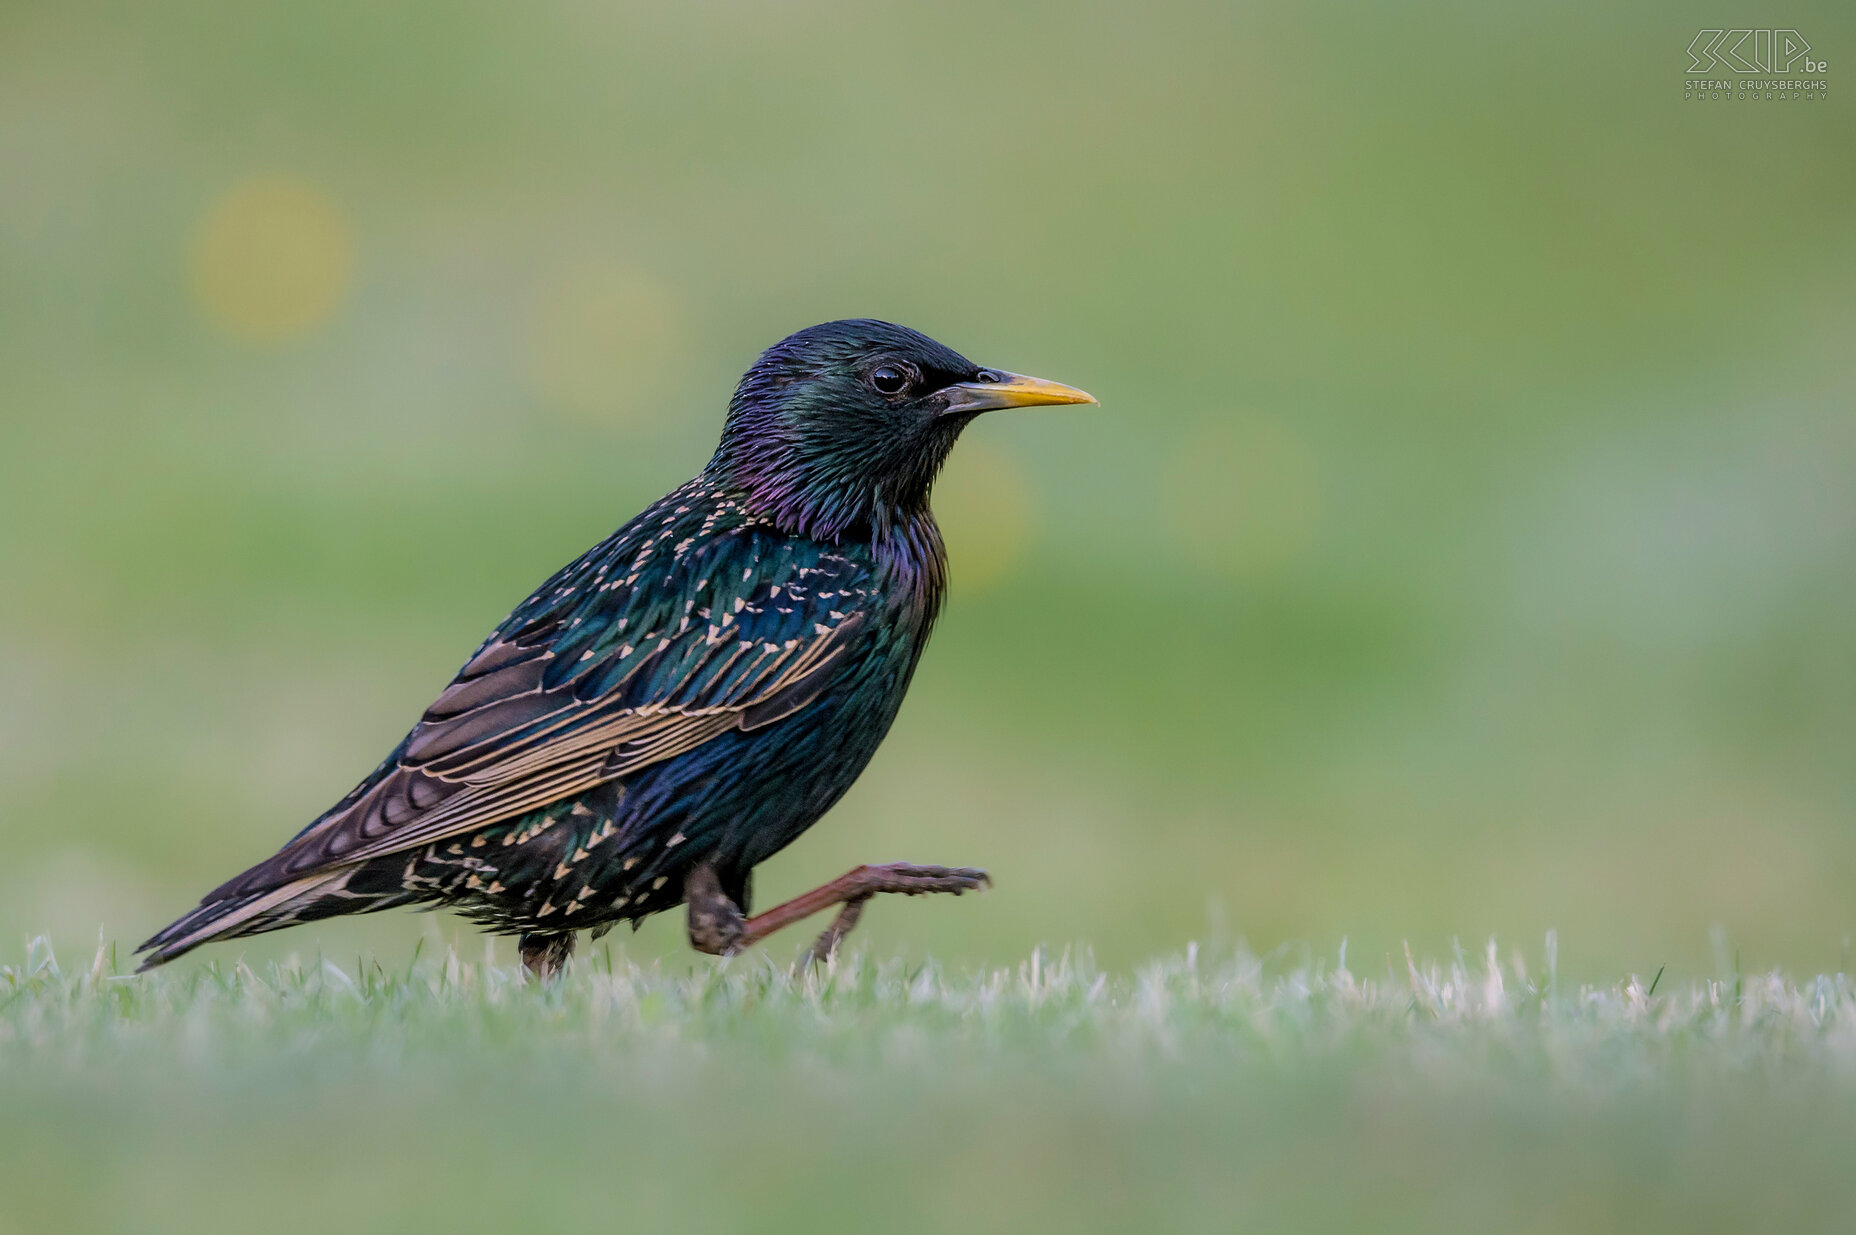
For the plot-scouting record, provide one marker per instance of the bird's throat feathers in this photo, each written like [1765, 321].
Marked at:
[835, 504]
[833, 491]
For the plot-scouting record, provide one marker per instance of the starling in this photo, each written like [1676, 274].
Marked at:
[683, 700]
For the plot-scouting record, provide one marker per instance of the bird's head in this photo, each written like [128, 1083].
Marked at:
[842, 427]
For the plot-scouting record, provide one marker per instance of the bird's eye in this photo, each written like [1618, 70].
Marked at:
[889, 378]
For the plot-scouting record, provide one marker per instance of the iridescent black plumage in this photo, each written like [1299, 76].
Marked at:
[696, 690]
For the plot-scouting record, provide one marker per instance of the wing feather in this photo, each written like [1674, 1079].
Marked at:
[592, 679]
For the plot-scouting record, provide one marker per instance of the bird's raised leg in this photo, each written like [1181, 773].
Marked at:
[544, 955]
[826, 945]
[718, 927]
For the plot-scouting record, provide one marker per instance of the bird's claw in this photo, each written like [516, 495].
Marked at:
[910, 880]
[902, 878]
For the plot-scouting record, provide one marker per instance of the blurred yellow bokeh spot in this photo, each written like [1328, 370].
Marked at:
[988, 513]
[602, 342]
[1242, 495]
[272, 258]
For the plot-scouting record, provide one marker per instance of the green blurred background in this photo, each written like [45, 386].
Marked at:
[1466, 543]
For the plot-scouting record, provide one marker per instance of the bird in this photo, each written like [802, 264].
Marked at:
[683, 700]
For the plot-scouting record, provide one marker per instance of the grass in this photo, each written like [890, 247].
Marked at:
[1200, 1092]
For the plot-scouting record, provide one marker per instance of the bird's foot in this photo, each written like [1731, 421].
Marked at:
[545, 955]
[897, 877]
[826, 945]
[909, 880]
[718, 927]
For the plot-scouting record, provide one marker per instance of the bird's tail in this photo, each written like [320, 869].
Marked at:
[250, 914]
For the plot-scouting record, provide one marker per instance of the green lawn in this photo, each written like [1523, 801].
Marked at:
[1199, 1092]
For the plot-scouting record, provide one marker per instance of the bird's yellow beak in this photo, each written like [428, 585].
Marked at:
[995, 388]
